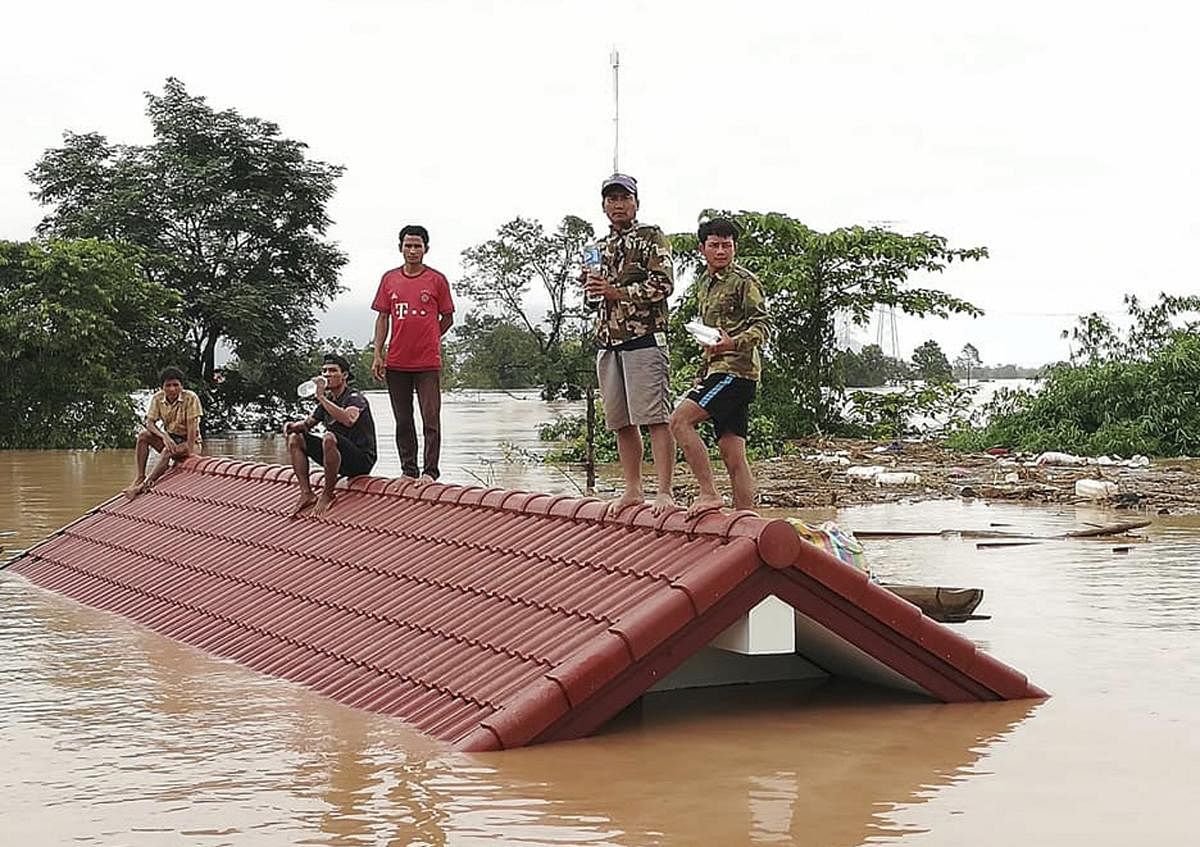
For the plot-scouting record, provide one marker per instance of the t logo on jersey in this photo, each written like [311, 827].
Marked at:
[399, 309]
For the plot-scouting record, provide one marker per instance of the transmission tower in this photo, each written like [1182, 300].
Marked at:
[886, 335]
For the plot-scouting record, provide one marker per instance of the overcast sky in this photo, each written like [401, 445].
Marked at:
[1062, 136]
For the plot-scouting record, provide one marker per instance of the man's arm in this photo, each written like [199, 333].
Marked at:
[756, 323]
[153, 417]
[758, 320]
[193, 435]
[445, 321]
[299, 426]
[345, 415]
[381, 334]
[660, 279]
[193, 412]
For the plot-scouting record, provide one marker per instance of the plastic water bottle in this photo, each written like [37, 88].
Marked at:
[593, 263]
[306, 389]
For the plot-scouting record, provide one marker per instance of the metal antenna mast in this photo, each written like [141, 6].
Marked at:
[615, 58]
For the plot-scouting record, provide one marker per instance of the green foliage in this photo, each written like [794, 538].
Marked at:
[869, 368]
[929, 408]
[260, 394]
[570, 432]
[810, 278]
[80, 330]
[1123, 394]
[500, 274]
[931, 364]
[491, 352]
[226, 211]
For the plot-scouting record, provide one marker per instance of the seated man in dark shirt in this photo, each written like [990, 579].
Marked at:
[348, 446]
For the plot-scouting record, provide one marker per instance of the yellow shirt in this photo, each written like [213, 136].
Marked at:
[175, 416]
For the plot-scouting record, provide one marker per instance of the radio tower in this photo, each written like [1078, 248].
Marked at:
[615, 58]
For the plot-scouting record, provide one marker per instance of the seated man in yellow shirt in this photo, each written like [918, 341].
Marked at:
[179, 412]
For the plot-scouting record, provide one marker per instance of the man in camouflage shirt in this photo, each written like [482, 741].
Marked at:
[630, 295]
[730, 299]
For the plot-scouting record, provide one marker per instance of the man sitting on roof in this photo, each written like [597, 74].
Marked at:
[348, 446]
[179, 411]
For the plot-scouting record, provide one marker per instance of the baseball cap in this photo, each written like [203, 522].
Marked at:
[341, 361]
[619, 181]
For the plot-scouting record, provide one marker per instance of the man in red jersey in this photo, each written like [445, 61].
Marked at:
[415, 300]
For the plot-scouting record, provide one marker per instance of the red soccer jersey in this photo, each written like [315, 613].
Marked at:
[415, 304]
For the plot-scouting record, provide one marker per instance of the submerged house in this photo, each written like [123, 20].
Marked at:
[488, 618]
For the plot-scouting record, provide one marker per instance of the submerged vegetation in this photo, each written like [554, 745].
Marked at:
[1120, 393]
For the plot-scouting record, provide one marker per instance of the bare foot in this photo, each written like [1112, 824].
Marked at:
[663, 502]
[302, 503]
[425, 479]
[615, 507]
[705, 503]
[134, 490]
[323, 504]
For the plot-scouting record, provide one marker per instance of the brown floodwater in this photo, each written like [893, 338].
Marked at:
[113, 735]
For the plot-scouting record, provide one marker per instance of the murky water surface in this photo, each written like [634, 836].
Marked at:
[113, 735]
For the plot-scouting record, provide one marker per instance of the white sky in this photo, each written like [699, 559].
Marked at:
[1062, 136]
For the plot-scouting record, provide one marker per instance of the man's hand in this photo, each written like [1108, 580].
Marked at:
[597, 286]
[293, 426]
[378, 369]
[321, 384]
[724, 345]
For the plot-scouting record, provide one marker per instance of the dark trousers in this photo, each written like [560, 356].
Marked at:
[428, 388]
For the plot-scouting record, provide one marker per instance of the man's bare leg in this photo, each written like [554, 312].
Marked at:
[145, 441]
[295, 443]
[160, 467]
[662, 447]
[683, 425]
[629, 449]
[333, 463]
[733, 454]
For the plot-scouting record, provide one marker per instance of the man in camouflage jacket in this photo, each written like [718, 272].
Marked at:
[629, 293]
[730, 299]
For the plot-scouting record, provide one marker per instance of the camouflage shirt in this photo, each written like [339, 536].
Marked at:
[733, 300]
[638, 260]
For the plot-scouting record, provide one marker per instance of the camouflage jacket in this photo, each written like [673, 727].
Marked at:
[733, 300]
[638, 260]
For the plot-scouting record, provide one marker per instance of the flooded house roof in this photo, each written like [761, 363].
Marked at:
[487, 618]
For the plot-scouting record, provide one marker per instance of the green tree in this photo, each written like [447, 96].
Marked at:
[493, 352]
[501, 272]
[810, 278]
[968, 360]
[80, 329]
[868, 368]
[227, 211]
[931, 363]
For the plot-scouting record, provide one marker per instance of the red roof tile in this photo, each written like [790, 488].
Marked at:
[487, 618]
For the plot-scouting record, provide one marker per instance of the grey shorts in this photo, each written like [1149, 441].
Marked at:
[635, 386]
